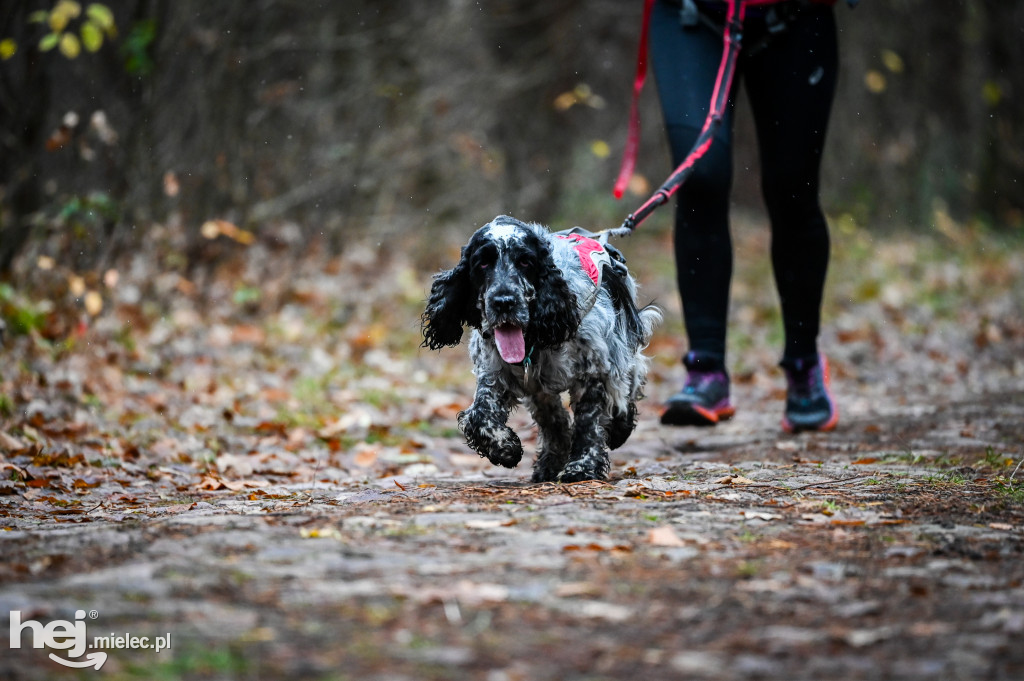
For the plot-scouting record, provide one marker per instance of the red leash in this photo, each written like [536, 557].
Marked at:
[633, 135]
[731, 39]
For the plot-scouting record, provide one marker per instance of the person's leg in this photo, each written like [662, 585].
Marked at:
[685, 63]
[791, 84]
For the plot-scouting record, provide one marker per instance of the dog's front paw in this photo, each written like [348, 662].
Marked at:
[505, 450]
[544, 474]
[580, 470]
[496, 442]
[621, 426]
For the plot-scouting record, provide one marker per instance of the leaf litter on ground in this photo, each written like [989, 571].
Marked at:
[304, 405]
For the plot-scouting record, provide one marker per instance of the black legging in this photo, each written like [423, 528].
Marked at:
[790, 81]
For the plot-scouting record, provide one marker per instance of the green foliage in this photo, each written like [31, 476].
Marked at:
[21, 315]
[830, 506]
[62, 19]
[247, 296]
[84, 215]
[194, 661]
[136, 48]
[748, 537]
[748, 569]
[995, 459]
[1012, 489]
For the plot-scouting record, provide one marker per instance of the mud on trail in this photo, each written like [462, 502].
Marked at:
[262, 465]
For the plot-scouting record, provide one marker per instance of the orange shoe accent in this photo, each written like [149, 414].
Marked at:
[710, 416]
[833, 420]
[715, 415]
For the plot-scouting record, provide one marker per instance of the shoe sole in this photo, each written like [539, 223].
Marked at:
[832, 421]
[825, 427]
[695, 415]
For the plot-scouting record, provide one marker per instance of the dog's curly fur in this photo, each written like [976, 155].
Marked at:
[577, 338]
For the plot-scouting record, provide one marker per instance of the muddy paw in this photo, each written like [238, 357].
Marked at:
[578, 471]
[544, 474]
[505, 451]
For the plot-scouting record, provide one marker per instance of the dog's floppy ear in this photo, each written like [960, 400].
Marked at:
[451, 304]
[556, 314]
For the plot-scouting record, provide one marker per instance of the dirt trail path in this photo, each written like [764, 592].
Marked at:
[287, 509]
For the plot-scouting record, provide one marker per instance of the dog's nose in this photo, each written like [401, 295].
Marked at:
[502, 301]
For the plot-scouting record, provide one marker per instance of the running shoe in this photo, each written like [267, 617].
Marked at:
[809, 402]
[704, 399]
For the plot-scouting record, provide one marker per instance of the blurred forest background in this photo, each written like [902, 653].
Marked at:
[304, 122]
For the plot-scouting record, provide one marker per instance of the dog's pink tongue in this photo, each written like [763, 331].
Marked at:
[511, 344]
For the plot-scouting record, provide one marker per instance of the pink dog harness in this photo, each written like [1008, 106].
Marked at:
[593, 255]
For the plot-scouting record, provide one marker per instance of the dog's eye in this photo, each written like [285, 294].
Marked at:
[484, 260]
[526, 263]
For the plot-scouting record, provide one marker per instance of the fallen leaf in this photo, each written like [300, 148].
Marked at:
[247, 333]
[366, 455]
[80, 483]
[760, 516]
[238, 485]
[320, 533]
[238, 465]
[735, 480]
[485, 523]
[354, 420]
[664, 536]
[171, 185]
[10, 443]
[601, 610]
[208, 482]
[210, 229]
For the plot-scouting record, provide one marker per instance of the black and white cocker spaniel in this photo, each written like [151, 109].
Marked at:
[551, 313]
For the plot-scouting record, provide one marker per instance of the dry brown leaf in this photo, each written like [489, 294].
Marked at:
[93, 303]
[238, 485]
[735, 480]
[210, 483]
[110, 278]
[247, 333]
[10, 443]
[366, 455]
[353, 420]
[664, 536]
[240, 465]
